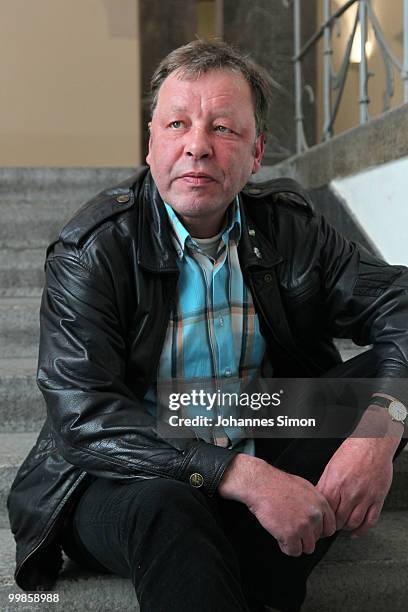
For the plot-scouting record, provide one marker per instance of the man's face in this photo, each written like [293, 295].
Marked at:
[203, 146]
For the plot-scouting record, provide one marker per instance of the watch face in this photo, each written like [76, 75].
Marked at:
[397, 411]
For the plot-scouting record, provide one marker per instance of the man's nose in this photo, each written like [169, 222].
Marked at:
[198, 144]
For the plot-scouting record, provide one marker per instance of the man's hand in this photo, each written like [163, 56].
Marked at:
[287, 506]
[356, 481]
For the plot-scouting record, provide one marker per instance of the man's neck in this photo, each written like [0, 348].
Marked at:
[203, 228]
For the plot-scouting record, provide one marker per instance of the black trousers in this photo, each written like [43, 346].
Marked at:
[187, 552]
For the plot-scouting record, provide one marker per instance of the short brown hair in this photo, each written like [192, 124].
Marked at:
[201, 56]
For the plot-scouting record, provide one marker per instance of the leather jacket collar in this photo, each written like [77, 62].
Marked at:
[155, 249]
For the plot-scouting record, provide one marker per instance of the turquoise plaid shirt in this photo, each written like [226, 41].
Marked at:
[213, 331]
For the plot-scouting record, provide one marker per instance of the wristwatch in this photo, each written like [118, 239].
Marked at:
[396, 409]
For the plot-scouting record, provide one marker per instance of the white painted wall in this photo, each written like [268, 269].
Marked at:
[378, 200]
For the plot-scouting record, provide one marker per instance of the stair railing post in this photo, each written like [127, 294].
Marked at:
[363, 76]
[327, 71]
[298, 77]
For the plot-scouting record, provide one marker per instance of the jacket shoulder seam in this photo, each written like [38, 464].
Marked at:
[68, 257]
[107, 224]
[83, 249]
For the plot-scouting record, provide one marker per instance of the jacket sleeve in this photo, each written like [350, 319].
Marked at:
[366, 300]
[98, 423]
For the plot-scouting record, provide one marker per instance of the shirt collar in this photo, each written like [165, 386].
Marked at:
[181, 236]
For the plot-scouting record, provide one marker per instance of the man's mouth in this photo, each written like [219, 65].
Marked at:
[197, 178]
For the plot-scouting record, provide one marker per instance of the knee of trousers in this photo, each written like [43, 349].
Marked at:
[169, 503]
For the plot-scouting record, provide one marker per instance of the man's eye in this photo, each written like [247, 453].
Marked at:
[176, 124]
[222, 129]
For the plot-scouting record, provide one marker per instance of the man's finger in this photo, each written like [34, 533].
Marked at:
[370, 520]
[356, 518]
[329, 523]
[308, 543]
[344, 511]
[292, 547]
[333, 497]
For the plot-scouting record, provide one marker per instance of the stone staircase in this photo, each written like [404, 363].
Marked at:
[362, 575]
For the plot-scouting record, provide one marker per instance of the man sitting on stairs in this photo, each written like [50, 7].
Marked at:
[184, 273]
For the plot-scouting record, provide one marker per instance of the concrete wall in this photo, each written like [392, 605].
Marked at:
[377, 200]
[165, 26]
[69, 75]
[378, 142]
[264, 29]
[359, 180]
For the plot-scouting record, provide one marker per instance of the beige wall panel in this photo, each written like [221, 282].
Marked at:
[69, 83]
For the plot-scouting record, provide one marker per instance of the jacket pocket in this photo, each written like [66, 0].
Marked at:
[303, 291]
[303, 306]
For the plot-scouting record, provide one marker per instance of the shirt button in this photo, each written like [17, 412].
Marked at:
[196, 480]
[227, 372]
[268, 278]
[221, 321]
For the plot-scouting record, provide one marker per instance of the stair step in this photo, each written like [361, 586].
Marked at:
[19, 326]
[397, 498]
[22, 407]
[35, 203]
[24, 184]
[78, 589]
[348, 349]
[368, 574]
[363, 575]
[13, 450]
[30, 225]
[21, 272]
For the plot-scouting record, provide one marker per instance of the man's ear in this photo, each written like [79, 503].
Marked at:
[259, 149]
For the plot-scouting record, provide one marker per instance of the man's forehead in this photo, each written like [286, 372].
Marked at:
[216, 75]
[225, 110]
[217, 82]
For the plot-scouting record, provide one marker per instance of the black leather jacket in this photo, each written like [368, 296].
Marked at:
[111, 280]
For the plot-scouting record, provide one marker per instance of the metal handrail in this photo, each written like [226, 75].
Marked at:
[336, 81]
[320, 31]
